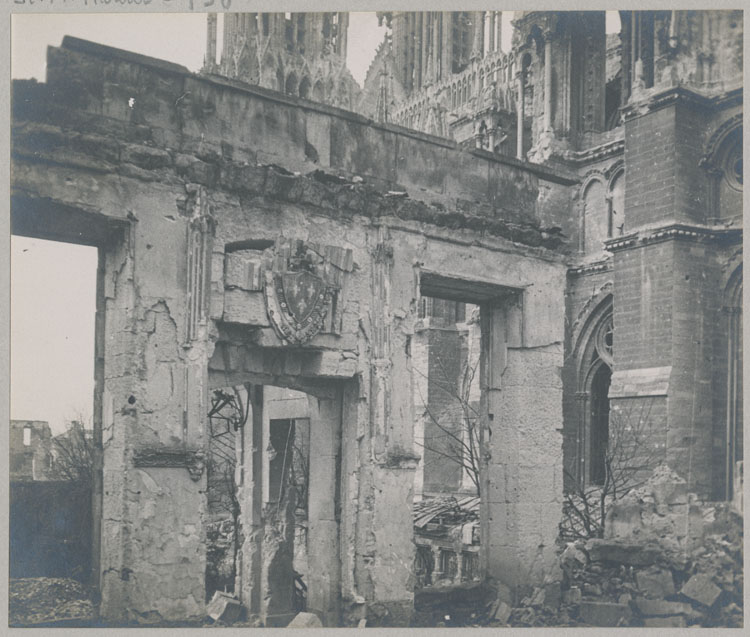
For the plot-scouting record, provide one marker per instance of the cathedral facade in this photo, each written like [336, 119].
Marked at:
[300, 54]
[649, 118]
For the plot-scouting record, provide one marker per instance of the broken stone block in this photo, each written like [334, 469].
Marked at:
[670, 492]
[656, 582]
[624, 519]
[305, 620]
[592, 589]
[224, 607]
[660, 607]
[604, 613]
[502, 614]
[700, 588]
[676, 621]
[627, 553]
[572, 557]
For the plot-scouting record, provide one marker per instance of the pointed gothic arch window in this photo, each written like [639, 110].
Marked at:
[291, 84]
[733, 374]
[595, 361]
[599, 428]
[304, 88]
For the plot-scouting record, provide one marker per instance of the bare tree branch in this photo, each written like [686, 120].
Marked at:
[628, 459]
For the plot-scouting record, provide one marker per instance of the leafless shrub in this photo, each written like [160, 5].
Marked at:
[630, 454]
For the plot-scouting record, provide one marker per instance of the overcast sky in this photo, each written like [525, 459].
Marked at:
[144, 33]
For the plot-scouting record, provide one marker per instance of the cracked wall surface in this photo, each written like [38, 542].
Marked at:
[195, 194]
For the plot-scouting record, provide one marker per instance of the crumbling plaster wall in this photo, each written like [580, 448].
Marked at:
[162, 168]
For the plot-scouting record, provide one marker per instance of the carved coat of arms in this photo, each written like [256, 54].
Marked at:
[297, 298]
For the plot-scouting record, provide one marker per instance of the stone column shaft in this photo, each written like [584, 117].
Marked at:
[548, 81]
[519, 115]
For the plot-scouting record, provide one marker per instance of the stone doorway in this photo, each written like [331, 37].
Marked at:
[288, 475]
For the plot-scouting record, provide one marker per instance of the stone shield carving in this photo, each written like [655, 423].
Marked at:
[297, 303]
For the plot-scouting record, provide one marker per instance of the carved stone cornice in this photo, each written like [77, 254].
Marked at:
[671, 232]
[680, 95]
[609, 149]
[603, 265]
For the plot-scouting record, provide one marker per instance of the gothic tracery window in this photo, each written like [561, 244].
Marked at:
[595, 362]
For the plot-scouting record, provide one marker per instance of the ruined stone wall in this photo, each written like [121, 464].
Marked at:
[168, 173]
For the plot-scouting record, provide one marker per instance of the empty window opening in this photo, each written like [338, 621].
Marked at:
[445, 376]
[448, 564]
[446, 380]
[52, 367]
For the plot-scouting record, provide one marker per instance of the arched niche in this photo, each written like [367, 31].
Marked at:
[290, 87]
[304, 88]
[596, 223]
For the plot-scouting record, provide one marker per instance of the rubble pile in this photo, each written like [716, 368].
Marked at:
[466, 604]
[616, 583]
[48, 600]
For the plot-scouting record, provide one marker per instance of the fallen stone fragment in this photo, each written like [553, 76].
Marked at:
[503, 612]
[592, 589]
[604, 613]
[656, 582]
[146, 618]
[660, 607]
[305, 620]
[622, 552]
[572, 557]
[224, 607]
[700, 588]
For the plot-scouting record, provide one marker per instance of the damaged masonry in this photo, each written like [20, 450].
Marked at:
[352, 368]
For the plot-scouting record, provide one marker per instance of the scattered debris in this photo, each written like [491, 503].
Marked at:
[48, 600]
[702, 587]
